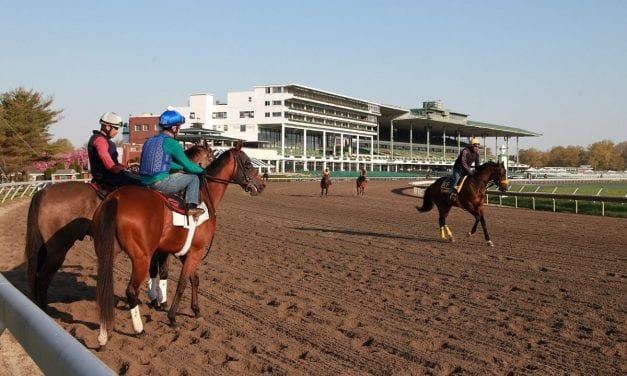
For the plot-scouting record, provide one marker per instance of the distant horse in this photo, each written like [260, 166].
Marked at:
[471, 197]
[138, 221]
[325, 182]
[361, 185]
[58, 216]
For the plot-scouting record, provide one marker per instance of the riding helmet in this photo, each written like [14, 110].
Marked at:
[171, 118]
[112, 119]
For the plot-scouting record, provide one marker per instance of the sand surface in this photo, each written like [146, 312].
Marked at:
[347, 285]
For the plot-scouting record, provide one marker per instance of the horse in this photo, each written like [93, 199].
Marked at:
[471, 197]
[58, 216]
[325, 182]
[361, 185]
[138, 221]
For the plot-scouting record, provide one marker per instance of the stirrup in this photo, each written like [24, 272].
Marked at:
[453, 196]
[195, 212]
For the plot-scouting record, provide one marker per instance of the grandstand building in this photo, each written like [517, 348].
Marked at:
[292, 128]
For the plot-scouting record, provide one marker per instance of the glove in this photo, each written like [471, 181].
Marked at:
[117, 169]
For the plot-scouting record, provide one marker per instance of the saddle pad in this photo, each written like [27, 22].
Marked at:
[181, 220]
[446, 184]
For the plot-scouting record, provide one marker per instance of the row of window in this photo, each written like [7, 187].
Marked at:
[144, 127]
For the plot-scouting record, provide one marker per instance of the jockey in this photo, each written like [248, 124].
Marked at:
[162, 153]
[363, 173]
[326, 172]
[462, 165]
[103, 154]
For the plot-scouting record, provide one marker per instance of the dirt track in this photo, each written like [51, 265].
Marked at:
[298, 284]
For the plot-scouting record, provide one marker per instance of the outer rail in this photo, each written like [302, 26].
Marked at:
[53, 349]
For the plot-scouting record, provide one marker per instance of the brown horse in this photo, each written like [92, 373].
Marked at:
[325, 182]
[471, 197]
[361, 185]
[58, 216]
[138, 221]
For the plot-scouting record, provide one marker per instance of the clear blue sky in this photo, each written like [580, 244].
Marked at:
[557, 67]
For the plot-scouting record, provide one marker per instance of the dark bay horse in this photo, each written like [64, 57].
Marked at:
[325, 182]
[58, 216]
[361, 185]
[137, 220]
[471, 197]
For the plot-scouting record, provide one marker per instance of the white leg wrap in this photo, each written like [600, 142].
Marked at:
[152, 288]
[103, 337]
[137, 320]
[163, 291]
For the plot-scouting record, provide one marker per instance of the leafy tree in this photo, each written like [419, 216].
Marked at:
[25, 116]
[604, 156]
[62, 145]
[570, 156]
[533, 157]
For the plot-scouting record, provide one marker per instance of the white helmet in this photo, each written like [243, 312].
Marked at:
[112, 119]
[475, 141]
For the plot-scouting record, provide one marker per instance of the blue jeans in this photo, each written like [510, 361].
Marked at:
[457, 174]
[177, 182]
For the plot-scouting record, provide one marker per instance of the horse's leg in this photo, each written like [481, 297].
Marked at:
[474, 226]
[485, 228]
[153, 281]
[158, 281]
[195, 282]
[187, 270]
[140, 269]
[162, 293]
[445, 231]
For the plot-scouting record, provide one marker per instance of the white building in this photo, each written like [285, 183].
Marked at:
[294, 127]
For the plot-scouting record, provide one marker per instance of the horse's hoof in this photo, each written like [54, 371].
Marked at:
[141, 334]
[468, 234]
[154, 304]
[490, 243]
[174, 325]
[102, 348]
[452, 240]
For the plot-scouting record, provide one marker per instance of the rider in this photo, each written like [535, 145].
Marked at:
[103, 154]
[363, 173]
[462, 165]
[162, 153]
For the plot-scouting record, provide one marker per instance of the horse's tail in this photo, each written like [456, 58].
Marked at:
[35, 248]
[104, 242]
[427, 201]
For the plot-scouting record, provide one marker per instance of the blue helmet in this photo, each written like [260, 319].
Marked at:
[170, 119]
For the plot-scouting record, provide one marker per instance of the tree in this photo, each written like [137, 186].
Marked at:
[570, 156]
[533, 157]
[25, 116]
[604, 156]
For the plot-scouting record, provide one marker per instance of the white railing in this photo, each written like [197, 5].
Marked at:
[12, 191]
[53, 349]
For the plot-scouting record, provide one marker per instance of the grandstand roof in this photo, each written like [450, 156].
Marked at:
[405, 119]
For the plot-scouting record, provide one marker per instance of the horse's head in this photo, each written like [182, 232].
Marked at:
[243, 172]
[500, 177]
[200, 155]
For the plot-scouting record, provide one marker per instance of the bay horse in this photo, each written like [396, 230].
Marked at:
[325, 182]
[471, 197]
[361, 185]
[138, 221]
[58, 216]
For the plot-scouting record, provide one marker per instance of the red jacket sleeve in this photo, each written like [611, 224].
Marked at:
[102, 148]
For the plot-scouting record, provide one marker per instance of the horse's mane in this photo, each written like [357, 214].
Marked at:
[488, 164]
[218, 163]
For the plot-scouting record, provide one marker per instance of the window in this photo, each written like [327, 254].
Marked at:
[145, 127]
[226, 127]
[277, 89]
[276, 103]
[246, 114]
[192, 115]
[267, 90]
[276, 114]
[242, 128]
[138, 127]
[267, 114]
[218, 115]
[267, 103]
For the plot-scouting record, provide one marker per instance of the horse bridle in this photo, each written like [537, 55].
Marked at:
[239, 165]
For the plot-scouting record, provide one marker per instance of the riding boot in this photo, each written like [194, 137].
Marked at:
[453, 196]
[194, 210]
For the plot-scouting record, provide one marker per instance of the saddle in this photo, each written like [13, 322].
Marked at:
[446, 184]
[174, 202]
